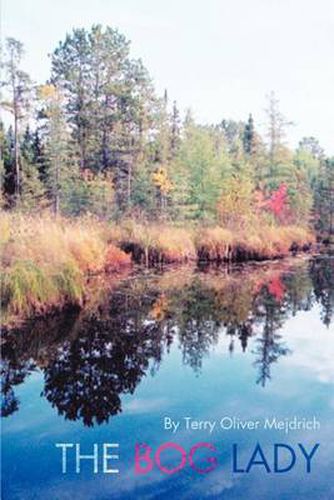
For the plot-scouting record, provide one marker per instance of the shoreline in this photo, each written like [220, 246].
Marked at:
[48, 263]
[104, 282]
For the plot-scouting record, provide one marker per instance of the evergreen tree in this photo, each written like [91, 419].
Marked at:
[108, 97]
[249, 137]
[2, 166]
[7, 154]
[280, 158]
[325, 199]
[163, 154]
[38, 154]
[56, 140]
[18, 85]
[311, 145]
[32, 188]
[175, 131]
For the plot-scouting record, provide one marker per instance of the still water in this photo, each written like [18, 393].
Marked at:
[253, 342]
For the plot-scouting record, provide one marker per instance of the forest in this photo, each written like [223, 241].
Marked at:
[97, 169]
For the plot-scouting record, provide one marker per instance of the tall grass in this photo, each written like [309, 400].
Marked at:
[155, 243]
[45, 261]
[214, 244]
[255, 243]
[151, 244]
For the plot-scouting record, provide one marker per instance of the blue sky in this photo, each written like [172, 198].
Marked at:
[219, 57]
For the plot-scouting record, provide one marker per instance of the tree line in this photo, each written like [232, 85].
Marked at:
[96, 138]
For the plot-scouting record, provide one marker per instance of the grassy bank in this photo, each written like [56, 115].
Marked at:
[156, 243]
[151, 244]
[46, 262]
[261, 243]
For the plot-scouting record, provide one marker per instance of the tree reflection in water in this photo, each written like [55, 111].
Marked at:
[108, 358]
[91, 358]
[269, 346]
[12, 374]
[322, 274]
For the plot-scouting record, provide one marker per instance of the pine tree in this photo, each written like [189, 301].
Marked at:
[249, 137]
[32, 188]
[163, 154]
[57, 144]
[18, 85]
[279, 155]
[8, 167]
[2, 165]
[325, 200]
[38, 154]
[175, 138]
[108, 99]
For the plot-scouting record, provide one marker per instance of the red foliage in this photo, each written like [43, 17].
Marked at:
[277, 289]
[278, 201]
[116, 259]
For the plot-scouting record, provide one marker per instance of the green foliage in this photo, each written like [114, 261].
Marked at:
[69, 282]
[94, 195]
[200, 169]
[324, 199]
[33, 191]
[16, 100]
[105, 144]
[108, 101]
[143, 189]
[249, 137]
[25, 287]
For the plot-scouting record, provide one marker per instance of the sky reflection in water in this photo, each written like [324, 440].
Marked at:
[253, 342]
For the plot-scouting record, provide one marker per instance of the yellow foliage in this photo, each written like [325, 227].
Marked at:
[160, 308]
[47, 91]
[161, 180]
[235, 208]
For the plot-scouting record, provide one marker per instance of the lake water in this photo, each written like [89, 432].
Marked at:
[253, 342]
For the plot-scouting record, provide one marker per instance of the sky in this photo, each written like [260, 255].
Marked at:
[221, 58]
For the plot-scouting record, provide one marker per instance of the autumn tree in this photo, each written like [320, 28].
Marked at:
[236, 203]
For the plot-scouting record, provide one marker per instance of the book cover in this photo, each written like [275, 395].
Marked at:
[167, 250]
